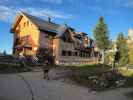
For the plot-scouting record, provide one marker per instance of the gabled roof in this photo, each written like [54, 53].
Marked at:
[44, 25]
[49, 27]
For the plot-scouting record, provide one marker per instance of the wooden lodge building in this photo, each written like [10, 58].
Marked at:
[36, 37]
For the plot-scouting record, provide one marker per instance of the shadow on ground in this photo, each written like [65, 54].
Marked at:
[3, 98]
[129, 95]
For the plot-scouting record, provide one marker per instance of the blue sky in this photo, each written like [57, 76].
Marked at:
[79, 14]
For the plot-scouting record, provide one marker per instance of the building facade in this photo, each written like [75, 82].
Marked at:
[34, 36]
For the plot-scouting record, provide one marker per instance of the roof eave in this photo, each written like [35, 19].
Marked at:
[14, 25]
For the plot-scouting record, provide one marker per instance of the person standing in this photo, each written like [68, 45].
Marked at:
[46, 68]
[46, 72]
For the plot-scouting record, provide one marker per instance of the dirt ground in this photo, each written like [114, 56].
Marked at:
[14, 87]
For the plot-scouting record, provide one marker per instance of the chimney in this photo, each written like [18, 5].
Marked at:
[49, 19]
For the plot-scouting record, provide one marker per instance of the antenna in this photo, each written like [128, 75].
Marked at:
[48, 16]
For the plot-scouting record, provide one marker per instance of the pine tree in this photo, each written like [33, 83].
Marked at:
[123, 49]
[101, 35]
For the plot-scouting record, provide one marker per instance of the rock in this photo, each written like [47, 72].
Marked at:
[120, 83]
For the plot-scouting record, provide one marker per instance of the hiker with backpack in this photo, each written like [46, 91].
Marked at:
[46, 68]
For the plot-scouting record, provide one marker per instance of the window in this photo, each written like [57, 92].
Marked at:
[64, 53]
[69, 53]
[83, 54]
[76, 53]
[80, 54]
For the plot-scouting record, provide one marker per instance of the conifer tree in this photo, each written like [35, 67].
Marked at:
[123, 49]
[101, 36]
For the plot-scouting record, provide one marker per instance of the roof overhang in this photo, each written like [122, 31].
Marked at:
[17, 20]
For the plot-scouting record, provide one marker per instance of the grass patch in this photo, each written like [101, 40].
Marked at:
[129, 77]
[84, 67]
[82, 72]
[80, 79]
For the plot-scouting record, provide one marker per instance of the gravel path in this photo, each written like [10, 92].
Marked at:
[12, 87]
